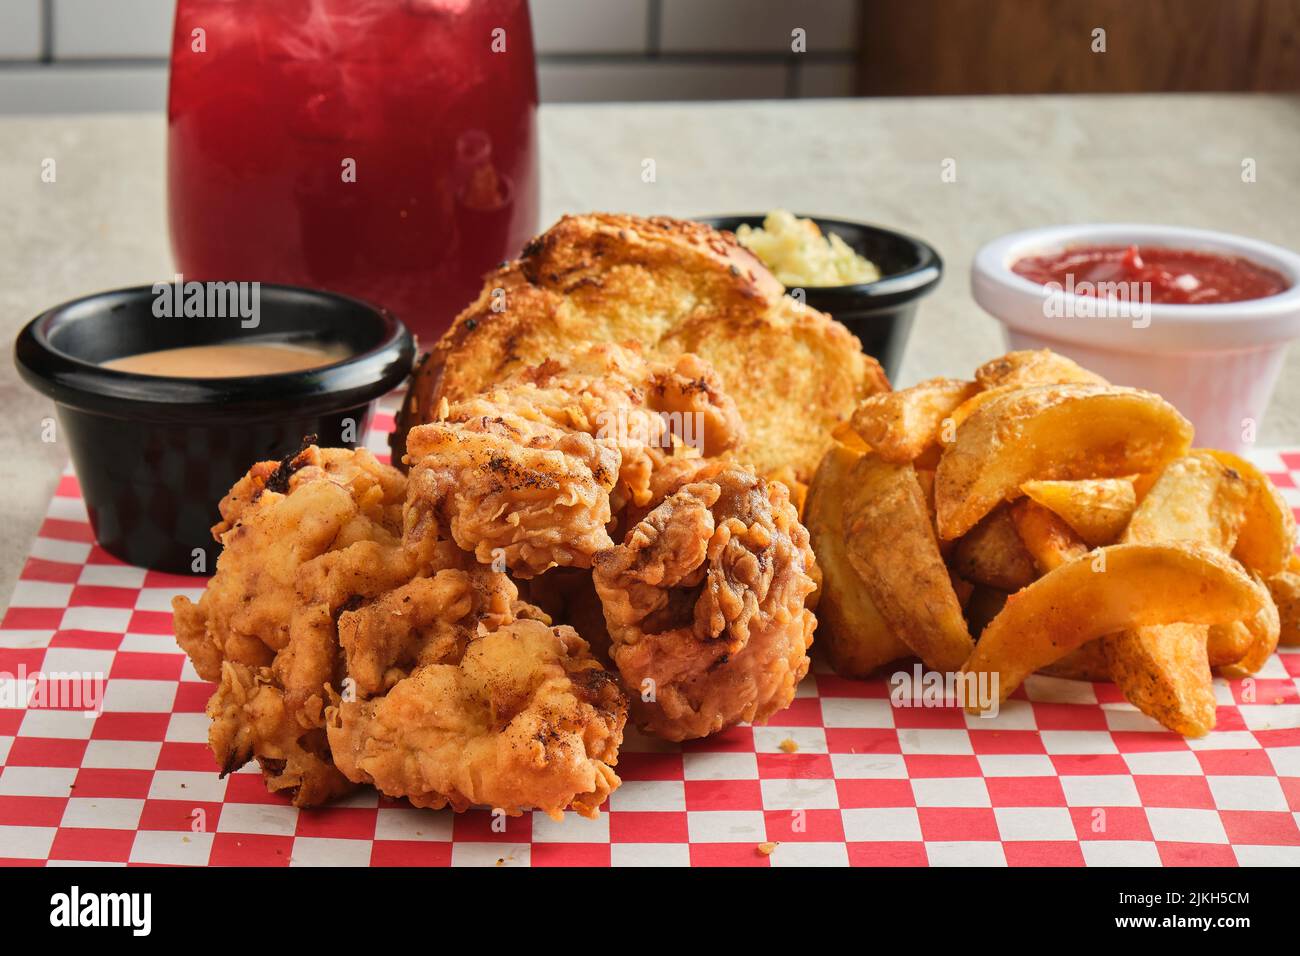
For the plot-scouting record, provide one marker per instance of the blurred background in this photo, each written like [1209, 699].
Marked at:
[108, 55]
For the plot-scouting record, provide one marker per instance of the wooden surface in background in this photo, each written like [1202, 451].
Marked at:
[1045, 46]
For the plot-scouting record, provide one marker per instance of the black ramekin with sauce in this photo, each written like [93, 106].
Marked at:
[154, 454]
[879, 313]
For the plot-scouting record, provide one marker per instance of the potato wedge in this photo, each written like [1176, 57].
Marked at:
[1112, 589]
[1034, 367]
[900, 426]
[1265, 630]
[1285, 588]
[1097, 508]
[892, 545]
[1267, 539]
[1053, 432]
[1164, 671]
[1083, 663]
[1048, 539]
[993, 554]
[1228, 643]
[1197, 499]
[855, 637]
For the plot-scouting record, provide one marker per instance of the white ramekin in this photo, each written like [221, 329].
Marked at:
[1217, 363]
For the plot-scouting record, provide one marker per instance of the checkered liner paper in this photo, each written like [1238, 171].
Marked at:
[1068, 773]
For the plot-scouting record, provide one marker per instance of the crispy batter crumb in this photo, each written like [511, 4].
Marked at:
[789, 746]
[766, 848]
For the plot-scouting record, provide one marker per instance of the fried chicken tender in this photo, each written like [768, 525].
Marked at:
[705, 601]
[526, 719]
[530, 474]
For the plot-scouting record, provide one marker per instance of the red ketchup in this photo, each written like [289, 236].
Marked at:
[1170, 276]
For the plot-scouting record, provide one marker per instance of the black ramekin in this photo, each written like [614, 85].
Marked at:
[879, 313]
[154, 455]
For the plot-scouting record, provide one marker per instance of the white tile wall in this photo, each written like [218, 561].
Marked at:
[757, 26]
[658, 80]
[83, 89]
[20, 29]
[590, 26]
[112, 28]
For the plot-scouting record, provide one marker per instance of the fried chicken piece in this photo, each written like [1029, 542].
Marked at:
[529, 475]
[676, 287]
[526, 720]
[705, 602]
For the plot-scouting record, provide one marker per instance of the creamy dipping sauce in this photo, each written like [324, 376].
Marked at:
[228, 360]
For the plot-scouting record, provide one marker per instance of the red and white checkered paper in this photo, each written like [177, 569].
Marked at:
[1068, 774]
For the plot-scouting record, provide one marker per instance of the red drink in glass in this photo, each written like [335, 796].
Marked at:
[386, 149]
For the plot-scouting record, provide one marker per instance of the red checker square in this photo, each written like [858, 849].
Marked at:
[100, 595]
[1069, 717]
[150, 622]
[731, 741]
[1147, 741]
[410, 853]
[176, 755]
[1235, 763]
[20, 659]
[1025, 791]
[89, 640]
[887, 854]
[192, 697]
[31, 811]
[1289, 737]
[1260, 827]
[569, 854]
[58, 572]
[98, 782]
[32, 618]
[109, 846]
[68, 487]
[648, 826]
[854, 740]
[250, 788]
[99, 556]
[345, 823]
[250, 849]
[1161, 790]
[831, 685]
[178, 582]
[1266, 691]
[875, 793]
[1228, 718]
[942, 765]
[7, 861]
[177, 815]
[1043, 853]
[130, 727]
[802, 712]
[1108, 693]
[816, 826]
[795, 766]
[650, 766]
[1196, 854]
[10, 719]
[1291, 790]
[1110, 823]
[382, 423]
[723, 795]
[1291, 459]
[475, 826]
[929, 718]
[46, 752]
[1006, 741]
[958, 823]
[60, 529]
[727, 854]
[1282, 479]
[136, 666]
[1291, 663]
[1088, 765]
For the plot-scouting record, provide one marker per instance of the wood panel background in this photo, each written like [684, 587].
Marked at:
[918, 47]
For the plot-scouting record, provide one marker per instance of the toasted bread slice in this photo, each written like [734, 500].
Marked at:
[671, 286]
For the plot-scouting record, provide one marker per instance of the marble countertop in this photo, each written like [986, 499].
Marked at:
[1019, 162]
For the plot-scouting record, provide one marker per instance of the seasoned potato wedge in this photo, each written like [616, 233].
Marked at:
[900, 426]
[855, 637]
[1034, 367]
[993, 554]
[1195, 499]
[1112, 589]
[1083, 663]
[1097, 508]
[1267, 539]
[1049, 540]
[1054, 432]
[1285, 588]
[1164, 671]
[891, 543]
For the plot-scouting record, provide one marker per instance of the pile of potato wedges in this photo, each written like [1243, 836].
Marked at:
[1039, 518]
